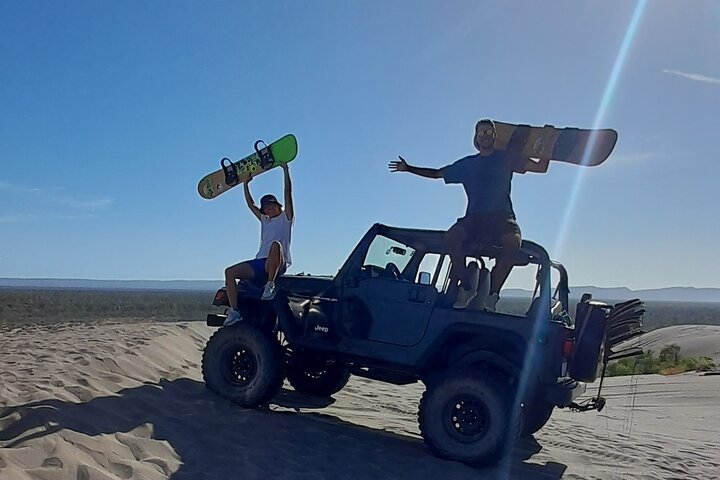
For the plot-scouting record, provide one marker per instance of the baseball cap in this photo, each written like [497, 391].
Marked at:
[268, 199]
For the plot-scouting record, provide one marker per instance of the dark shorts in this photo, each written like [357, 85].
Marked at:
[488, 228]
[258, 267]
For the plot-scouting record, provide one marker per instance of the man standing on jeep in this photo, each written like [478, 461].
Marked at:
[489, 217]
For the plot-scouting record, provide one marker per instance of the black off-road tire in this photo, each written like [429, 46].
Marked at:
[316, 376]
[243, 364]
[468, 416]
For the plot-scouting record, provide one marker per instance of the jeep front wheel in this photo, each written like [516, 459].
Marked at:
[466, 416]
[320, 377]
[243, 364]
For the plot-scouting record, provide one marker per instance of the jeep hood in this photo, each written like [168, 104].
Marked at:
[306, 285]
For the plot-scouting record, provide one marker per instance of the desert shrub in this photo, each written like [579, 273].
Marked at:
[705, 364]
[667, 362]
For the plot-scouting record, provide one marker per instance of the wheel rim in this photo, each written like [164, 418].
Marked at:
[240, 366]
[313, 368]
[466, 418]
[316, 370]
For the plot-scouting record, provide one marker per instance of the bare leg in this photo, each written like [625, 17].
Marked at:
[454, 239]
[274, 260]
[504, 263]
[239, 271]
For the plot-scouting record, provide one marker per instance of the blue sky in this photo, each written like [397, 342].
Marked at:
[110, 113]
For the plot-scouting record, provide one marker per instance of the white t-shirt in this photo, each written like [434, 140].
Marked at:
[277, 229]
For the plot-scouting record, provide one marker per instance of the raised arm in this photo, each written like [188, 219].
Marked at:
[289, 209]
[250, 202]
[402, 166]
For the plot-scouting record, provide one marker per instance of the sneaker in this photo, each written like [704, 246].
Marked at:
[233, 317]
[269, 291]
[464, 298]
[491, 302]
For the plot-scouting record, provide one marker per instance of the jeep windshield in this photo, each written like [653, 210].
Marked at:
[384, 251]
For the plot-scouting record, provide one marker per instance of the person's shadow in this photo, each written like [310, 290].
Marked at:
[214, 438]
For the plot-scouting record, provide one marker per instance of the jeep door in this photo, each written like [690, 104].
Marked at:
[398, 308]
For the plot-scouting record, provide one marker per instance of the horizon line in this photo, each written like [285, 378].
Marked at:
[318, 275]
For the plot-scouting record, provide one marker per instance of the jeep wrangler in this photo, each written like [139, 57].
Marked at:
[388, 315]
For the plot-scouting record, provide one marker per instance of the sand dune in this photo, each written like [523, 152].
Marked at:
[694, 340]
[121, 401]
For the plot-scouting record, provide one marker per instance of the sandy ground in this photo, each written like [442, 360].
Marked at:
[122, 401]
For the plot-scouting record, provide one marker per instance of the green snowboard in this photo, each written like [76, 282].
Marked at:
[231, 174]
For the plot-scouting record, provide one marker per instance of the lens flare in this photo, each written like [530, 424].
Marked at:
[605, 102]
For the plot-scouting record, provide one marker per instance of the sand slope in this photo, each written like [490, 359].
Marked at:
[694, 340]
[120, 401]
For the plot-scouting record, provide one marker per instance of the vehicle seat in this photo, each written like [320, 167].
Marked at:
[479, 278]
[555, 307]
[482, 274]
[400, 278]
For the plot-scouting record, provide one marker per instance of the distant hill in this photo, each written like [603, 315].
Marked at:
[670, 294]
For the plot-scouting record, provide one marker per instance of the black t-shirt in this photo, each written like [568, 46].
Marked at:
[487, 181]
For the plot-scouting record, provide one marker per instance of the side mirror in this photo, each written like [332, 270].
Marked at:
[424, 278]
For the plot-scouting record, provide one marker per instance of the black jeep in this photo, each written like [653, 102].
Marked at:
[388, 315]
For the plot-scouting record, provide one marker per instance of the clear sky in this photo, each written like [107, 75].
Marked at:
[110, 113]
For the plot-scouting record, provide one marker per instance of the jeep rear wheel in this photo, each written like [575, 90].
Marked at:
[243, 364]
[316, 376]
[466, 416]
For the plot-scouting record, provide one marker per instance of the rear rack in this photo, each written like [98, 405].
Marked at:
[624, 322]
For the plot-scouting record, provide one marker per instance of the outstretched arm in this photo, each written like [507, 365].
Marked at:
[250, 202]
[289, 209]
[402, 166]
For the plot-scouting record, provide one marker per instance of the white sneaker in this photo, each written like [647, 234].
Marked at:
[491, 302]
[464, 298]
[233, 317]
[269, 291]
